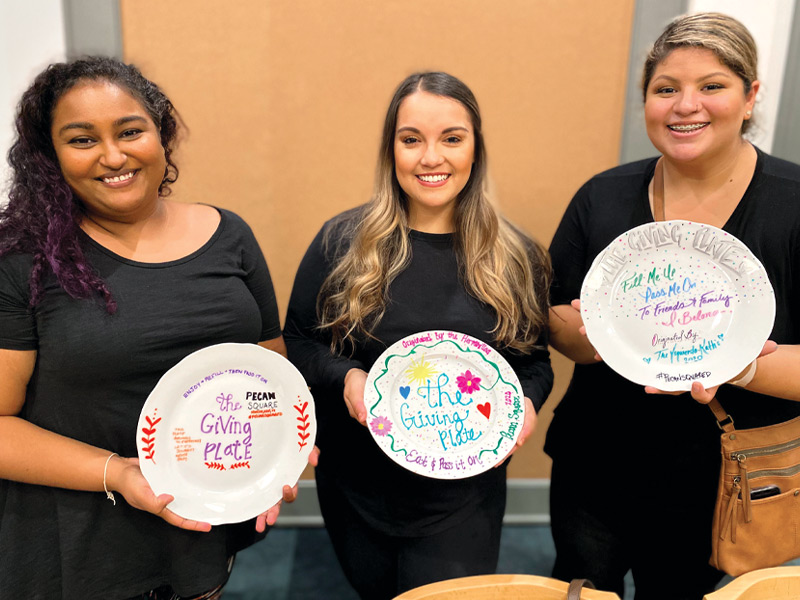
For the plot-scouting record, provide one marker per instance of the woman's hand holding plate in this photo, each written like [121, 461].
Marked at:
[125, 477]
[354, 383]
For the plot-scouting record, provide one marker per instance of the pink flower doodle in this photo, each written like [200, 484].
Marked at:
[381, 425]
[468, 383]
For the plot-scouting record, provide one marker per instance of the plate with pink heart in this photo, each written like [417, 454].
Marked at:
[444, 404]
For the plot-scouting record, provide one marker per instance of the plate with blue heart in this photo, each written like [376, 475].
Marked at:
[444, 404]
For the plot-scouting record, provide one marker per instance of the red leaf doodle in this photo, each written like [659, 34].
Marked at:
[149, 440]
[303, 418]
[240, 465]
[215, 465]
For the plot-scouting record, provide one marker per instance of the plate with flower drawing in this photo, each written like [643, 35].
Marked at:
[444, 404]
[673, 302]
[224, 430]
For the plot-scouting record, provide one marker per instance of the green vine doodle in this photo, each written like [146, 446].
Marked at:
[403, 450]
[482, 452]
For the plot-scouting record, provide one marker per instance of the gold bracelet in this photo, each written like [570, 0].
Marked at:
[109, 495]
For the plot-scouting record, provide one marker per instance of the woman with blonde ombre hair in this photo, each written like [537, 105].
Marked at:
[429, 251]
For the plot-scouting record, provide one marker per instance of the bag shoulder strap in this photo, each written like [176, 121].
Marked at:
[724, 420]
[659, 212]
[575, 587]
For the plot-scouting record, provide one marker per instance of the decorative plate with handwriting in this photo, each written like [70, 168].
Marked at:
[444, 404]
[673, 302]
[224, 430]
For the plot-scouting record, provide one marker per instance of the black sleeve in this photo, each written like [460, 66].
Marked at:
[17, 321]
[259, 282]
[533, 370]
[568, 249]
[535, 374]
[309, 348]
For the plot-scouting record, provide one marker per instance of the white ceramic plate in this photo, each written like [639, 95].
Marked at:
[224, 430]
[444, 404]
[673, 302]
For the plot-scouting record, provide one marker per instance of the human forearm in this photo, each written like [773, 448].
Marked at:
[276, 345]
[30, 454]
[778, 374]
[566, 337]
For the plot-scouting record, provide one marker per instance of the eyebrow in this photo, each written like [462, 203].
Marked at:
[703, 78]
[90, 126]
[448, 130]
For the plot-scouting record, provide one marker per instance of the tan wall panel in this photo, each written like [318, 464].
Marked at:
[285, 100]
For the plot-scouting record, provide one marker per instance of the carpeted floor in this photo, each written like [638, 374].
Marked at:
[299, 564]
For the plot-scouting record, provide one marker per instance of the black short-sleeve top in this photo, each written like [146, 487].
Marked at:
[93, 373]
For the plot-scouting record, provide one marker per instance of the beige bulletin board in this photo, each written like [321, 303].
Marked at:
[284, 102]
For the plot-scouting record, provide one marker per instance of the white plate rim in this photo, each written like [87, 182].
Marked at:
[468, 347]
[722, 366]
[297, 414]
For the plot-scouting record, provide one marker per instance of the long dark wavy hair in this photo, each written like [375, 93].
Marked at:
[43, 215]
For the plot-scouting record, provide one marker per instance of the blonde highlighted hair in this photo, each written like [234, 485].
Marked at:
[500, 266]
[726, 37]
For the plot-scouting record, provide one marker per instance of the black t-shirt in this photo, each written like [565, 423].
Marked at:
[93, 373]
[428, 294]
[603, 414]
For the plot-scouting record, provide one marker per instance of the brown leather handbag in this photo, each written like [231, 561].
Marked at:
[757, 515]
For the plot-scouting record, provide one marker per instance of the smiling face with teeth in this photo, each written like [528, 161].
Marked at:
[695, 106]
[109, 150]
[434, 148]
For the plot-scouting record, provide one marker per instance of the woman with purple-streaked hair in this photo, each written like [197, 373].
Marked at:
[105, 284]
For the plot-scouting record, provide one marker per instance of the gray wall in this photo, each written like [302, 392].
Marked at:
[92, 27]
[649, 20]
[787, 136]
